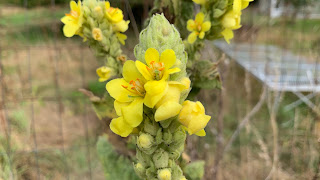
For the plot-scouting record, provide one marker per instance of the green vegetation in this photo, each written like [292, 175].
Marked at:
[116, 166]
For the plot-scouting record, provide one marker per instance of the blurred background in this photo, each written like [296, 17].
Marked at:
[266, 118]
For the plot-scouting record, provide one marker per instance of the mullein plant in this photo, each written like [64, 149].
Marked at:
[149, 95]
[150, 102]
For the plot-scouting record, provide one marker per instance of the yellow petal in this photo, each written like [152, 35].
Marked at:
[200, 1]
[206, 26]
[183, 84]
[120, 127]
[199, 108]
[132, 113]
[237, 6]
[118, 92]
[244, 4]
[227, 34]
[118, 105]
[107, 4]
[190, 25]
[130, 72]
[73, 6]
[122, 26]
[186, 115]
[173, 70]
[155, 90]
[201, 35]
[121, 38]
[69, 30]
[198, 124]
[142, 68]
[168, 57]
[201, 133]
[167, 110]
[155, 87]
[186, 82]
[192, 37]
[172, 94]
[66, 19]
[151, 55]
[200, 17]
[79, 5]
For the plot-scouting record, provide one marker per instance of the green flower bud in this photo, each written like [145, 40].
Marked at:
[98, 13]
[160, 158]
[159, 137]
[143, 158]
[140, 170]
[174, 154]
[167, 137]
[151, 127]
[145, 141]
[176, 172]
[150, 172]
[164, 174]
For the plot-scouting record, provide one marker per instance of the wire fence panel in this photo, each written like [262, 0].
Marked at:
[48, 128]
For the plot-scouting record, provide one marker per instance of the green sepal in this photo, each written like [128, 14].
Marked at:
[194, 170]
[160, 158]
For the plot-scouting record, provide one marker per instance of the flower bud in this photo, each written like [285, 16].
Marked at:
[167, 137]
[97, 34]
[139, 169]
[164, 174]
[193, 117]
[145, 141]
[160, 158]
[98, 12]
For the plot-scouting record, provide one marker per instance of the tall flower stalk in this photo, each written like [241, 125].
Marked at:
[149, 102]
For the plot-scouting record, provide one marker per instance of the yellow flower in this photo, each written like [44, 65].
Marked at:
[122, 26]
[104, 73]
[192, 116]
[97, 34]
[156, 72]
[198, 27]
[232, 19]
[129, 94]
[158, 67]
[114, 15]
[202, 2]
[73, 21]
[169, 105]
[121, 37]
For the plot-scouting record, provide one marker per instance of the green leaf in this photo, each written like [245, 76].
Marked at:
[116, 166]
[104, 107]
